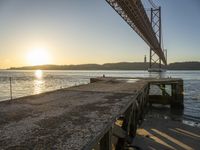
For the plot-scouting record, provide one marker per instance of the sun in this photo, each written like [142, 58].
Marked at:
[38, 56]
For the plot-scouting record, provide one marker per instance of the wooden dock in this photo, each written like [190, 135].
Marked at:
[101, 115]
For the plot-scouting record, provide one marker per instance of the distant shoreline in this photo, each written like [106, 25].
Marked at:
[112, 66]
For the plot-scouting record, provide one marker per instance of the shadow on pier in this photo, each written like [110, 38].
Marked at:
[165, 134]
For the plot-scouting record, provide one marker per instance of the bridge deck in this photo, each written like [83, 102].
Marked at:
[72, 118]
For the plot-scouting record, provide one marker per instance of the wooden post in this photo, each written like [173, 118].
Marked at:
[177, 95]
[106, 142]
[10, 88]
[163, 90]
[180, 95]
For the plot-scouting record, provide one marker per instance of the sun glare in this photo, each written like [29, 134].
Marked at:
[38, 74]
[38, 56]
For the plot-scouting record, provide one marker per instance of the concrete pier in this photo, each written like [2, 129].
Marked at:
[81, 117]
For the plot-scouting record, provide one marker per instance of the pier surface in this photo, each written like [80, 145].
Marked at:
[73, 118]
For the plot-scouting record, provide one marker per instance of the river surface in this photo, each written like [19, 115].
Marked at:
[34, 82]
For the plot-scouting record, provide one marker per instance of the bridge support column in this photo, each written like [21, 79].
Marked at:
[155, 61]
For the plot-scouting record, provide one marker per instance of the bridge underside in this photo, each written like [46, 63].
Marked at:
[133, 12]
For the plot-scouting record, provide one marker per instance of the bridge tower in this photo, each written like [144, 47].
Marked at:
[155, 63]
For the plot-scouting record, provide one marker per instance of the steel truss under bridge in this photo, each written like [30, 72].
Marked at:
[133, 12]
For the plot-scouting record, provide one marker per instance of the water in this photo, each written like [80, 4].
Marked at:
[34, 82]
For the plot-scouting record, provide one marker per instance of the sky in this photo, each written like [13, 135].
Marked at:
[63, 32]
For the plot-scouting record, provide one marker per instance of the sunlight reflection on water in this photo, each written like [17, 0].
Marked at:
[39, 86]
[38, 74]
[39, 82]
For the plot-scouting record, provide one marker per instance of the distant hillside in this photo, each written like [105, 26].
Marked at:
[113, 66]
[107, 66]
[184, 66]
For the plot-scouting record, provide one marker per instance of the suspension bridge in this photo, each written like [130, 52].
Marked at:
[149, 29]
